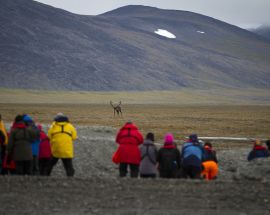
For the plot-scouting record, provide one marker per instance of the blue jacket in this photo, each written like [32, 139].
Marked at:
[35, 147]
[192, 154]
[35, 144]
[258, 152]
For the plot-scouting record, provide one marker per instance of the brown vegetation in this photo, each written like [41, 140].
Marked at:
[181, 120]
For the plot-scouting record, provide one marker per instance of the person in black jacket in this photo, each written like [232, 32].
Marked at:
[19, 146]
[169, 158]
[209, 153]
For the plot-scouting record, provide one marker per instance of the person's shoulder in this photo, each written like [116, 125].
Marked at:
[187, 144]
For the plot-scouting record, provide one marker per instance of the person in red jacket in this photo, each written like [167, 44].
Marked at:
[129, 138]
[45, 153]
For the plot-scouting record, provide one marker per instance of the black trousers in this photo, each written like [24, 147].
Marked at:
[193, 172]
[167, 173]
[24, 167]
[35, 165]
[44, 166]
[148, 175]
[134, 170]
[67, 162]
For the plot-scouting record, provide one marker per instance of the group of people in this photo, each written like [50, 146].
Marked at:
[28, 150]
[196, 160]
[144, 159]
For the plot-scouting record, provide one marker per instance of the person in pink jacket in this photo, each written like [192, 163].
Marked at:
[45, 153]
[129, 138]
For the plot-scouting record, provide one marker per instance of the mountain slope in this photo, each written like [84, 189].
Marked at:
[47, 48]
[264, 31]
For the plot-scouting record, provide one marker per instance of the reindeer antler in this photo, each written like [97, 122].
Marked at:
[111, 103]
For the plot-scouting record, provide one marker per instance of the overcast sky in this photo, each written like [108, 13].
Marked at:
[243, 13]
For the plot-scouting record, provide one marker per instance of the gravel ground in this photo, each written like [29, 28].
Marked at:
[241, 188]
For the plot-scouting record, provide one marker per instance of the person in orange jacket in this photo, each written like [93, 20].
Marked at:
[129, 138]
[210, 162]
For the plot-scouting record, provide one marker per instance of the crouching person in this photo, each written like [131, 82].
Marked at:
[192, 153]
[61, 135]
[169, 158]
[210, 162]
[148, 165]
[258, 151]
[20, 146]
[129, 138]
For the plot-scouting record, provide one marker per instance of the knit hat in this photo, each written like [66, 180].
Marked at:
[168, 138]
[193, 138]
[27, 118]
[60, 117]
[59, 114]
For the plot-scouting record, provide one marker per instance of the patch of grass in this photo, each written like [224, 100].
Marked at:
[217, 112]
[181, 120]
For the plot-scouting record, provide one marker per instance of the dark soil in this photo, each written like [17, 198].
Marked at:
[241, 188]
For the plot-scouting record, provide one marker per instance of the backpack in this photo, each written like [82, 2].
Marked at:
[146, 154]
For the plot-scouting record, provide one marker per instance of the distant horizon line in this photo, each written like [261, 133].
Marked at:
[246, 26]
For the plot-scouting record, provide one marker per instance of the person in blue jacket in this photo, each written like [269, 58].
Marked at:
[35, 144]
[258, 151]
[192, 155]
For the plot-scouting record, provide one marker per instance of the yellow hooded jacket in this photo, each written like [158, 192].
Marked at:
[61, 135]
[3, 129]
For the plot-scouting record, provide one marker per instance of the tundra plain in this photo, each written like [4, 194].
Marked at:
[241, 187]
[179, 112]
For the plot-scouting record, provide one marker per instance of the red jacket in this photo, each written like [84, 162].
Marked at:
[44, 146]
[129, 138]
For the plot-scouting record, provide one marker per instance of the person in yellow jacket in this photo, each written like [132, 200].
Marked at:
[61, 135]
[3, 142]
[3, 130]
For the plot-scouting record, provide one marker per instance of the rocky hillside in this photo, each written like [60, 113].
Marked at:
[263, 31]
[47, 48]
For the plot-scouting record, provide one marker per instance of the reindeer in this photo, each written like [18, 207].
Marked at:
[116, 108]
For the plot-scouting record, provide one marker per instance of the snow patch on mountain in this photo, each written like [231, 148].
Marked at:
[201, 32]
[165, 33]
